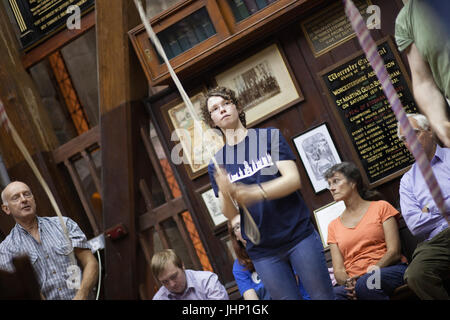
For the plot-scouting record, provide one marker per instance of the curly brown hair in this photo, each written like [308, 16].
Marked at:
[240, 251]
[226, 94]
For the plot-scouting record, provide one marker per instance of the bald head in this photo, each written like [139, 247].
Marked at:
[18, 202]
[11, 186]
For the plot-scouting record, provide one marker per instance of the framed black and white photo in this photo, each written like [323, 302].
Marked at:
[212, 205]
[318, 153]
[264, 84]
[325, 215]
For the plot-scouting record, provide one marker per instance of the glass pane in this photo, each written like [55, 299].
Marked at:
[245, 8]
[80, 57]
[177, 243]
[186, 33]
[68, 87]
[53, 102]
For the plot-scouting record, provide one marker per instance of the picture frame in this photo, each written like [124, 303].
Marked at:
[362, 115]
[212, 206]
[195, 155]
[325, 215]
[317, 153]
[321, 39]
[264, 84]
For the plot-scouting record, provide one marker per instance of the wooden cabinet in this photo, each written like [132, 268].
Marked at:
[196, 34]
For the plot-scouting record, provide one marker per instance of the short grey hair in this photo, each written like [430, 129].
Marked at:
[422, 122]
[4, 197]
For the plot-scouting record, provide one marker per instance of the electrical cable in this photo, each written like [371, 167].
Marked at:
[99, 275]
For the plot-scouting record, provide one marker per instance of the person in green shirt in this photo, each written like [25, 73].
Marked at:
[422, 32]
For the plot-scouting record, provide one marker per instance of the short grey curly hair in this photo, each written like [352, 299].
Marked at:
[422, 122]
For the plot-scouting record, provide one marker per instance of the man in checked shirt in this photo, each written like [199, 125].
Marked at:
[44, 241]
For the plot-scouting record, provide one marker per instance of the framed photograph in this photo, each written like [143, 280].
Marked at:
[263, 83]
[318, 153]
[191, 149]
[212, 205]
[325, 215]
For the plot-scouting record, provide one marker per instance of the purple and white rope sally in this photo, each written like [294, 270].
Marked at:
[370, 49]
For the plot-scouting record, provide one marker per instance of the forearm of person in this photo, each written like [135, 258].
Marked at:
[280, 187]
[418, 222]
[430, 100]
[340, 274]
[90, 274]
[427, 95]
[389, 258]
[90, 277]
[250, 294]
[228, 208]
[287, 183]
[392, 238]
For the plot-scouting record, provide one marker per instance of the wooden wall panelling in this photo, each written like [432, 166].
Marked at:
[313, 110]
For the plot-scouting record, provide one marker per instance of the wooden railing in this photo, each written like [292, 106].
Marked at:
[82, 147]
[171, 209]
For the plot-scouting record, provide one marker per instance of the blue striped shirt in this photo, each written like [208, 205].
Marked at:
[50, 258]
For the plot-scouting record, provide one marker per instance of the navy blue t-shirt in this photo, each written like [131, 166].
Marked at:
[282, 222]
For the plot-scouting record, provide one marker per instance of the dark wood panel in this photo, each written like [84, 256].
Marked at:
[119, 202]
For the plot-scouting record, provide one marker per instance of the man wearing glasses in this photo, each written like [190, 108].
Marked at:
[430, 264]
[44, 241]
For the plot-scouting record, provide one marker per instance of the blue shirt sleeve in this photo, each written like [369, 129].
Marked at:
[280, 149]
[77, 236]
[243, 277]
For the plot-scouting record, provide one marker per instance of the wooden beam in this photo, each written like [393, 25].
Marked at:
[77, 145]
[161, 213]
[121, 78]
[121, 84]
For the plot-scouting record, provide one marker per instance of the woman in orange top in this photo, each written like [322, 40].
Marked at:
[364, 240]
